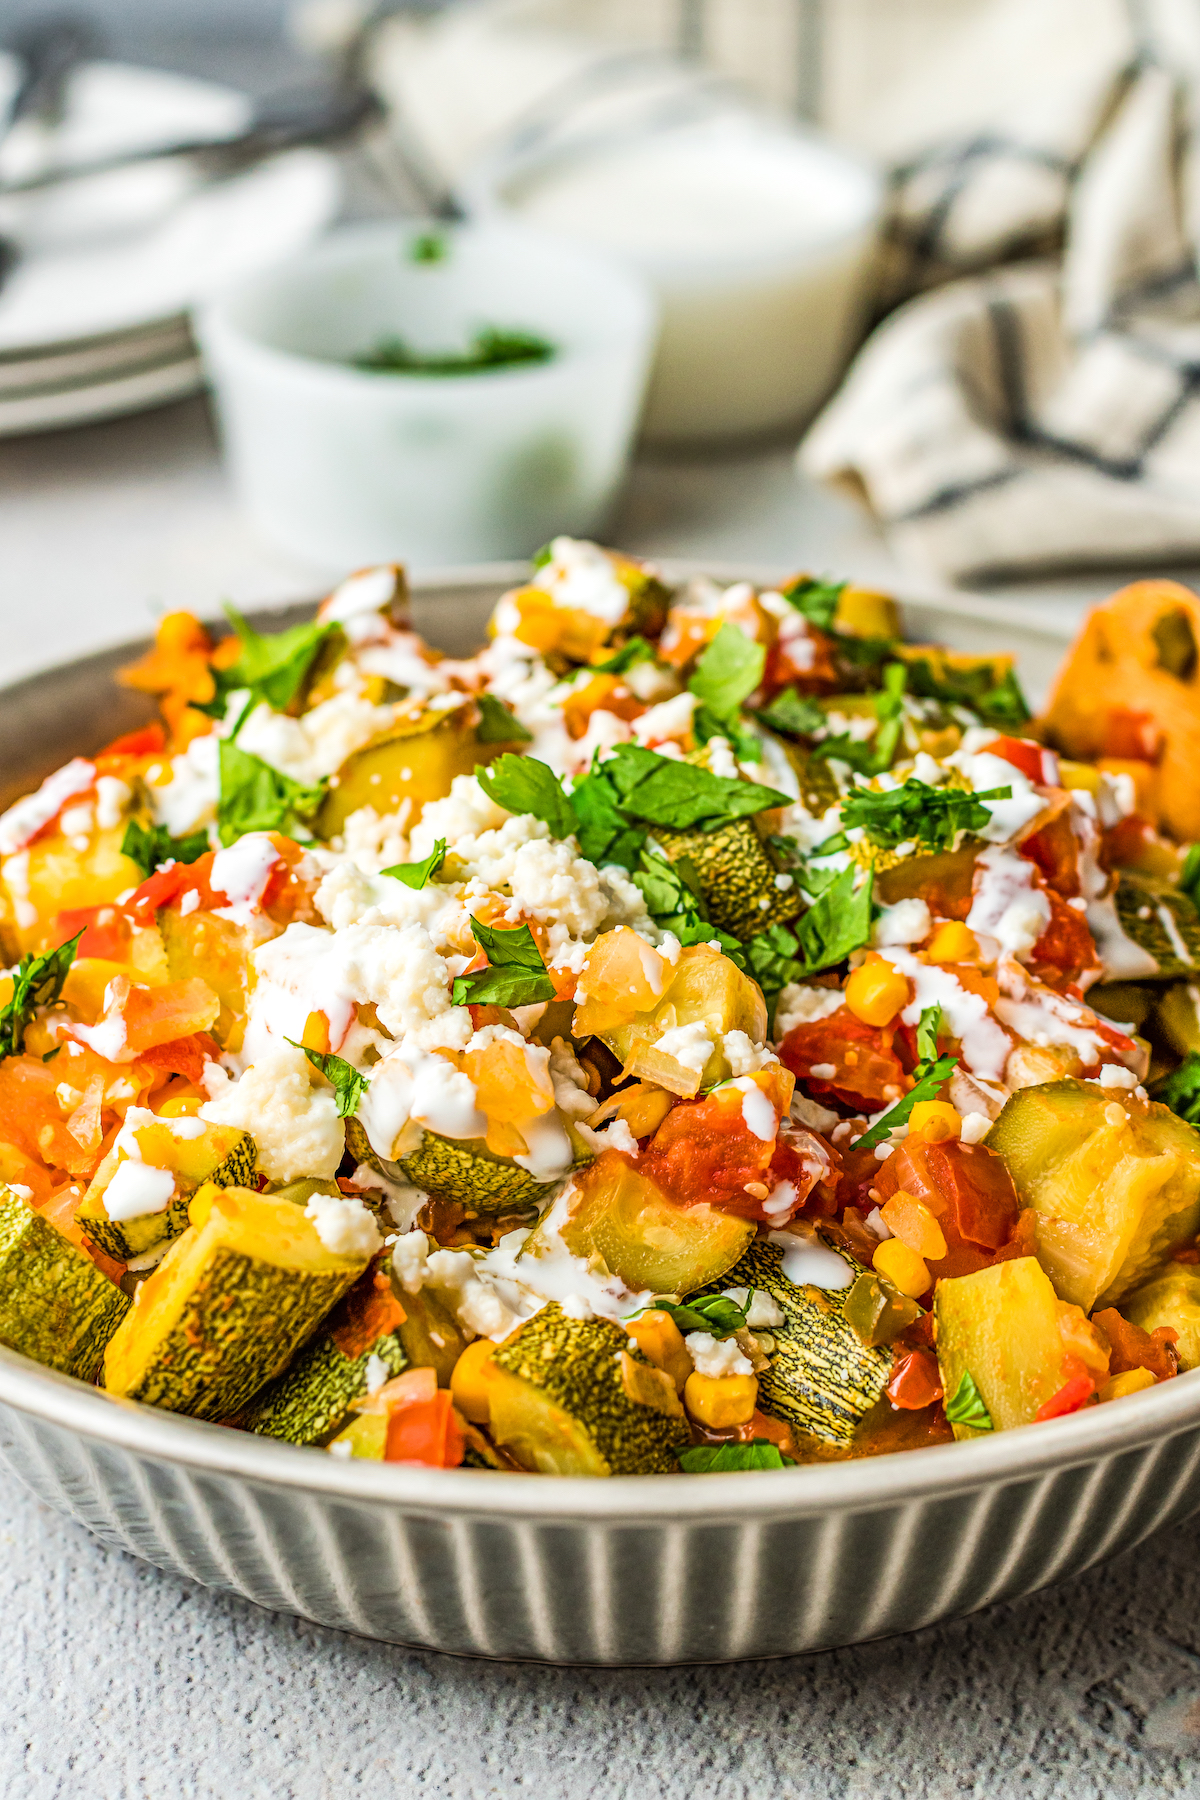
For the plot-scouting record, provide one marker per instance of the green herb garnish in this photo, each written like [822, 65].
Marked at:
[497, 725]
[415, 875]
[965, 1406]
[928, 1026]
[715, 1313]
[522, 784]
[675, 902]
[817, 600]
[273, 667]
[343, 1077]
[999, 703]
[256, 797]
[637, 650]
[1180, 1090]
[792, 713]
[915, 813]
[1189, 876]
[727, 673]
[724, 1459]
[150, 847]
[491, 348]
[541, 557]
[517, 976]
[37, 981]
[929, 1077]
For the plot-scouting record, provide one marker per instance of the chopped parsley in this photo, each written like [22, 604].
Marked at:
[929, 1077]
[715, 1313]
[37, 981]
[675, 901]
[914, 813]
[637, 650]
[838, 922]
[817, 600]
[724, 1459]
[1189, 875]
[522, 784]
[497, 725]
[148, 847]
[541, 557]
[997, 700]
[429, 247]
[517, 976]
[256, 797]
[415, 875]
[345, 1080]
[965, 1406]
[727, 674]
[492, 347]
[1180, 1090]
[273, 667]
[792, 713]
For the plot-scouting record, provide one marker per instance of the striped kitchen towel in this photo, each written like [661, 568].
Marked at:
[1045, 409]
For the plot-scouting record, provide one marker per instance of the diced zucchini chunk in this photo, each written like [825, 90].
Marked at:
[736, 877]
[1161, 920]
[310, 1400]
[1172, 1297]
[455, 1169]
[415, 760]
[428, 1333]
[55, 1305]
[1000, 1326]
[703, 987]
[650, 1243]
[823, 1379]
[1114, 1181]
[222, 1154]
[560, 1406]
[228, 1306]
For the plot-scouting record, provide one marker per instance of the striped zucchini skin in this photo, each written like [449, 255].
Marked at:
[308, 1403]
[823, 1379]
[55, 1305]
[227, 1308]
[1137, 894]
[572, 1368]
[736, 876]
[455, 1169]
[124, 1238]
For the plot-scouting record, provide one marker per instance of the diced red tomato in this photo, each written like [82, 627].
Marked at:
[968, 1189]
[916, 1382]
[705, 1149]
[106, 931]
[1055, 851]
[1133, 1348]
[1066, 950]
[865, 1073]
[185, 1056]
[1132, 736]
[1071, 1396]
[1035, 763]
[422, 1427]
[150, 740]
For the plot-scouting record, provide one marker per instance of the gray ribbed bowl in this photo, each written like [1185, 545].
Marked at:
[658, 1570]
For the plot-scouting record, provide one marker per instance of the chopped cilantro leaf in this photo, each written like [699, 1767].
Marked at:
[497, 725]
[637, 650]
[256, 797]
[274, 667]
[517, 976]
[914, 813]
[659, 790]
[348, 1085]
[1189, 878]
[674, 900]
[728, 672]
[792, 713]
[415, 875]
[928, 1026]
[522, 784]
[817, 600]
[965, 1406]
[37, 981]
[1180, 1090]
[541, 557]
[715, 1313]
[931, 1078]
[838, 922]
[605, 834]
[150, 846]
[724, 1459]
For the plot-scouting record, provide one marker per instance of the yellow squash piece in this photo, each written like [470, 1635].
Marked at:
[57, 874]
[190, 1150]
[228, 1307]
[1001, 1327]
[1172, 1297]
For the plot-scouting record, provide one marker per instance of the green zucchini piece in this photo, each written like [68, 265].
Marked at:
[1115, 1182]
[455, 1169]
[228, 1306]
[429, 1334]
[559, 1404]
[1161, 920]
[823, 1379]
[616, 1215]
[878, 1312]
[1000, 1326]
[55, 1305]
[310, 1400]
[707, 987]
[736, 876]
[1177, 1016]
[222, 1154]
[1172, 1297]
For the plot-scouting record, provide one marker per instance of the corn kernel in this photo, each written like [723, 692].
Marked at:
[721, 1400]
[934, 1120]
[876, 992]
[902, 1267]
[182, 1106]
[953, 942]
[911, 1222]
[660, 1341]
[1079, 775]
[1133, 1381]
[469, 1381]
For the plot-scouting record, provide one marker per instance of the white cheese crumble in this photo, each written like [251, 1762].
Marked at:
[294, 1124]
[716, 1356]
[800, 1005]
[689, 1045]
[344, 1225]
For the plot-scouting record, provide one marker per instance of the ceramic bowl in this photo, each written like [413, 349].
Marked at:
[344, 465]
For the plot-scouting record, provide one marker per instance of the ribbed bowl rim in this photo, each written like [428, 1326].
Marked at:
[866, 1484]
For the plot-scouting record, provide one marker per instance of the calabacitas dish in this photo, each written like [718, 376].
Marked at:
[700, 1031]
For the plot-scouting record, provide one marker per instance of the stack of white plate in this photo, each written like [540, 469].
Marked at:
[94, 316]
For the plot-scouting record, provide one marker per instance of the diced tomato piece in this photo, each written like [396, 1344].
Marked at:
[916, 1382]
[1132, 736]
[183, 1056]
[106, 931]
[1133, 1348]
[1071, 1396]
[812, 1166]
[1034, 763]
[368, 1311]
[1124, 844]
[1066, 950]
[865, 1072]
[150, 740]
[1055, 851]
[704, 1149]
[968, 1189]
[426, 1432]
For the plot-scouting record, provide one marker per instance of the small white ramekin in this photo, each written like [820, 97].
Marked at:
[345, 466]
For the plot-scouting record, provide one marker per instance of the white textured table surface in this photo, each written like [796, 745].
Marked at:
[124, 1682]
